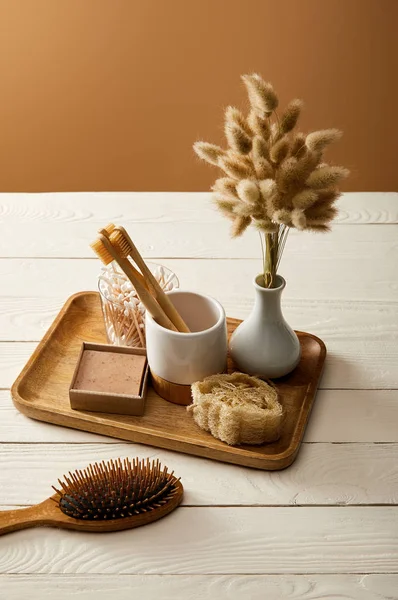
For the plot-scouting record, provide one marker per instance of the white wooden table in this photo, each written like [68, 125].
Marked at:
[327, 527]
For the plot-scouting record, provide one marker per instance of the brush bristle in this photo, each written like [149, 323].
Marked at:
[102, 252]
[106, 231]
[115, 489]
[119, 241]
[109, 228]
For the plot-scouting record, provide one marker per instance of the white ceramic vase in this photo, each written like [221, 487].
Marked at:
[264, 344]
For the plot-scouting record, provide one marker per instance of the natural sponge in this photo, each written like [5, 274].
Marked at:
[237, 409]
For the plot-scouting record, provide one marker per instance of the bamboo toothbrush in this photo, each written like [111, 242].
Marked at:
[106, 231]
[121, 240]
[109, 496]
[107, 253]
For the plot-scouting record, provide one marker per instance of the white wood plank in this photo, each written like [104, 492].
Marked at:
[16, 427]
[192, 240]
[323, 474]
[219, 541]
[354, 416]
[351, 278]
[168, 225]
[337, 416]
[27, 318]
[132, 207]
[201, 587]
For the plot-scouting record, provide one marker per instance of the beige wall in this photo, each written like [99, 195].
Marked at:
[111, 94]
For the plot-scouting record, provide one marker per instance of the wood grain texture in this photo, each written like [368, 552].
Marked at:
[196, 240]
[27, 319]
[202, 587]
[337, 416]
[323, 474]
[48, 514]
[139, 207]
[365, 276]
[212, 540]
[349, 299]
[42, 392]
[172, 392]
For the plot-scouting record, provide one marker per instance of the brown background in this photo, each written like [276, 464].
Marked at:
[111, 94]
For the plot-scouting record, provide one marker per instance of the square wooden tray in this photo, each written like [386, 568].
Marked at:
[42, 392]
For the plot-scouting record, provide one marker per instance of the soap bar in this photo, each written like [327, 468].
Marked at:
[110, 379]
[110, 372]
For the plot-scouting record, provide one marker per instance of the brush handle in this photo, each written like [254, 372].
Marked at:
[22, 518]
[164, 301]
[138, 282]
[147, 300]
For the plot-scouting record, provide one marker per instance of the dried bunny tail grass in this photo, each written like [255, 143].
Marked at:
[248, 191]
[299, 220]
[226, 187]
[294, 173]
[259, 125]
[226, 207]
[263, 168]
[318, 140]
[267, 187]
[269, 192]
[279, 151]
[321, 213]
[298, 144]
[327, 197]
[235, 116]
[282, 216]
[245, 159]
[208, 152]
[260, 148]
[326, 177]
[235, 167]
[290, 116]
[240, 225]
[266, 226]
[243, 209]
[318, 227]
[287, 174]
[262, 96]
[237, 138]
[304, 199]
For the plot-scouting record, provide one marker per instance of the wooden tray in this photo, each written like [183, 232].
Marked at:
[41, 392]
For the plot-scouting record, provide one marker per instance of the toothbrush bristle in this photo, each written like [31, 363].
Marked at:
[102, 252]
[119, 241]
[109, 228]
[115, 489]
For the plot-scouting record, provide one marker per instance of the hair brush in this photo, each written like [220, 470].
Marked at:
[106, 496]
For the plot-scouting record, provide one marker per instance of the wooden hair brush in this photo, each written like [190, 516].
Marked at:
[109, 496]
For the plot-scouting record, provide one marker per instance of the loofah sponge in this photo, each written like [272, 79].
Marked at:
[237, 409]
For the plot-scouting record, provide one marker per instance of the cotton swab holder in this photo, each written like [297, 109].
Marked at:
[178, 359]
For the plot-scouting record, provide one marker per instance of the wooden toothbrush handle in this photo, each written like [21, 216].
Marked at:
[154, 309]
[138, 282]
[22, 518]
[161, 297]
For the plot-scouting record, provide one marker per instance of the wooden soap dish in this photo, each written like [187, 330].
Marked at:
[42, 392]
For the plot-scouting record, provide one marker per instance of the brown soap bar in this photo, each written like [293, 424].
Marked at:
[110, 372]
[110, 379]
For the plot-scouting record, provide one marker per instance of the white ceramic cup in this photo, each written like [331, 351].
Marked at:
[184, 358]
